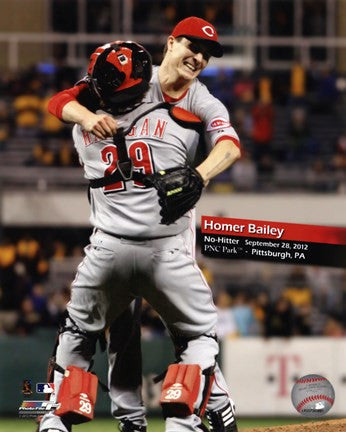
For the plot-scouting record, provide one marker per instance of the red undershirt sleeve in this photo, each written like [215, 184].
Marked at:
[225, 137]
[59, 100]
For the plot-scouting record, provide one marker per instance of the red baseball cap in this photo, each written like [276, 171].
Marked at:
[201, 30]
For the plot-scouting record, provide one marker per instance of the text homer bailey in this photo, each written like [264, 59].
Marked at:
[250, 228]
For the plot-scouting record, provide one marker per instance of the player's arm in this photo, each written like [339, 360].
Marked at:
[101, 125]
[222, 156]
[219, 133]
[66, 107]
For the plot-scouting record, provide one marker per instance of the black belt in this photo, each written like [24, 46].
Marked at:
[130, 238]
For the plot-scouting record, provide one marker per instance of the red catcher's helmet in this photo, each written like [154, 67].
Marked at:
[119, 74]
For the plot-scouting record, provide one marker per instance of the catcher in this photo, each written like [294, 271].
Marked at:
[179, 187]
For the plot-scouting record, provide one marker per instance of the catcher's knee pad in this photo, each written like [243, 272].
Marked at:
[181, 389]
[77, 396]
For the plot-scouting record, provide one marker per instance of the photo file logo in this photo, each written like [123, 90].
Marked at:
[32, 409]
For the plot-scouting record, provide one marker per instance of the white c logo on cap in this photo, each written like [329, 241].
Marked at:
[208, 30]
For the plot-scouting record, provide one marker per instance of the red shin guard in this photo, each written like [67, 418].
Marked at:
[180, 390]
[77, 396]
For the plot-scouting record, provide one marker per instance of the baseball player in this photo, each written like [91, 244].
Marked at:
[132, 240]
[188, 49]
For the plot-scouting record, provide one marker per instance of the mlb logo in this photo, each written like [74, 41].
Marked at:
[45, 388]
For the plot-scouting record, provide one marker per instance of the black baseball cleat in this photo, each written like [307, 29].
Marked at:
[52, 430]
[203, 427]
[128, 426]
[222, 420]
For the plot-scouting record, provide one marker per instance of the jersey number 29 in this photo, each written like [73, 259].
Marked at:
[139, 152]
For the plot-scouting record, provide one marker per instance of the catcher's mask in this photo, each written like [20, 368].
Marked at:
[119, 75]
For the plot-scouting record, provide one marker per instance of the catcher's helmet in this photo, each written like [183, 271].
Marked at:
[119, 74]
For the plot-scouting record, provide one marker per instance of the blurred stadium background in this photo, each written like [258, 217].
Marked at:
[283, 79]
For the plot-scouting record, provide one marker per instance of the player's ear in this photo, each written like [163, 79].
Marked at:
[170, 42]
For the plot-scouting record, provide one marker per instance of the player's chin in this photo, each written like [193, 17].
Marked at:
[189, 74]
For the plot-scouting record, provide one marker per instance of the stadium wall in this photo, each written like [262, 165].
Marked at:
[70, 208]
[260, 373]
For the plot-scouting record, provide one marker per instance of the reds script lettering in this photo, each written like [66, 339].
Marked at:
[218, 123]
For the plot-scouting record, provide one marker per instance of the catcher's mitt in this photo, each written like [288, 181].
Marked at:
[178, 188]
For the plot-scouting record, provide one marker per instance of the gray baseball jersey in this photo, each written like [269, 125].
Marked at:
[155, 142]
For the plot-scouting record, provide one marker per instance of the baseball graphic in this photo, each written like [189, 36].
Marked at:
[312, 395]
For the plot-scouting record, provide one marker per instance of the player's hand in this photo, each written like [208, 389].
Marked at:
[101, 125]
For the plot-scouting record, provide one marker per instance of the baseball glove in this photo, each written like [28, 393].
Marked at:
[178, 188]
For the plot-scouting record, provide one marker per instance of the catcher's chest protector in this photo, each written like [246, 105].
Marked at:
[77, 396]
[180, 390]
